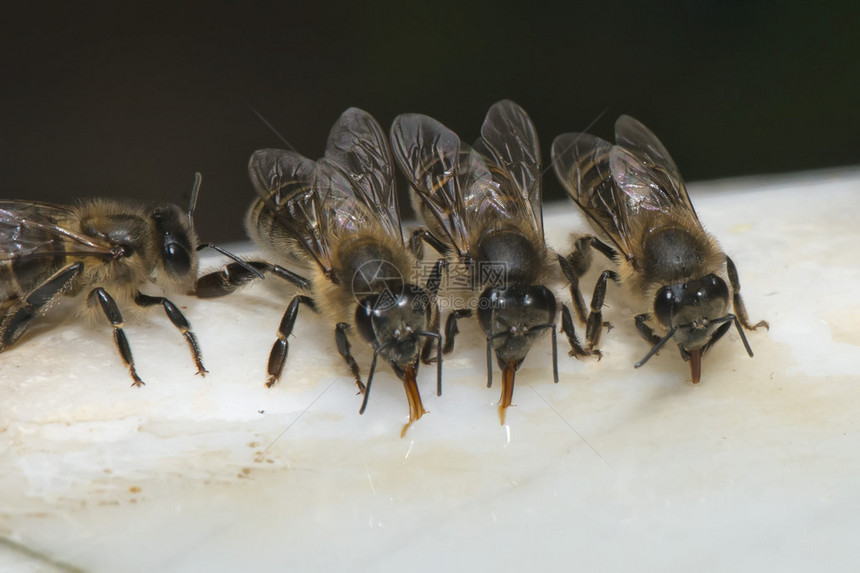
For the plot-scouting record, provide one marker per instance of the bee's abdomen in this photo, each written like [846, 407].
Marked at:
[24, 272]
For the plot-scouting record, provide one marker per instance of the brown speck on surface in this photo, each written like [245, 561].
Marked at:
[258, 454]
[134, 489]
[253, 445]
[246, 471]
[270, 461]
[133, 500]
[107, 471]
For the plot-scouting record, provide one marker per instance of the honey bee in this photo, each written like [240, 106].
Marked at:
[482, 205]
[108, 248]
[675, 271]
[339, 217]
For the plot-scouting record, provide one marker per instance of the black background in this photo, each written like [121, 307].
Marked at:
[131, 100]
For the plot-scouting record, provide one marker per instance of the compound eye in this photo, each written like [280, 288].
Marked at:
[364, 317]
[490, 303]
[176, 244]
[665, 306]
[715, 289]
[177, 259]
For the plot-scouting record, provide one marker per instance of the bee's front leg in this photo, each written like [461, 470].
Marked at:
[281, 348]
[179, 321]
[343, 348]
[740, 309]
[646, 331]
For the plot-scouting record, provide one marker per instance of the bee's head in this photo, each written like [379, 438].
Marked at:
[691, 308]
[177, 242]
[513, 317]
[395, 323]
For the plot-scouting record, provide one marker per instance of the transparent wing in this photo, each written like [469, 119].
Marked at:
[615, 184]
[32, 229]
[644, 170]
[581, 163]
[510, 138]
[310, 202]
[488, 189]
[357, 145]
[429, 154]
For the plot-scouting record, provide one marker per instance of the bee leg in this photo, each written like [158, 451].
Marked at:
[111, 311]
[568, 269]
[576, 348]
[602, 248]
[646, 331]
[595, 324]
[236, 275]
[428, 344]
[179, 321]
[416, 243]
[577, 264]
[435, 278]
[343, 346]
[451, 328]
[580, 258]
[227, 279]
[718, 334]
[433, 282]
[421, 236]
[17, 319]
[740, 309]
[278, 355]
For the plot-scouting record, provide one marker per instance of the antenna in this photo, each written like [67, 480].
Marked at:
[273, 130]
[192, 204]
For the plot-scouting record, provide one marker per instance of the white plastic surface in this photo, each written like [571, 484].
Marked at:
[613, 469]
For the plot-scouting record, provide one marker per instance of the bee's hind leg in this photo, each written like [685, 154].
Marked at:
[17, 319]
[108, 305]
[179, 321]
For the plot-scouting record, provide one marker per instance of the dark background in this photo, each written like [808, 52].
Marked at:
[130, 101]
